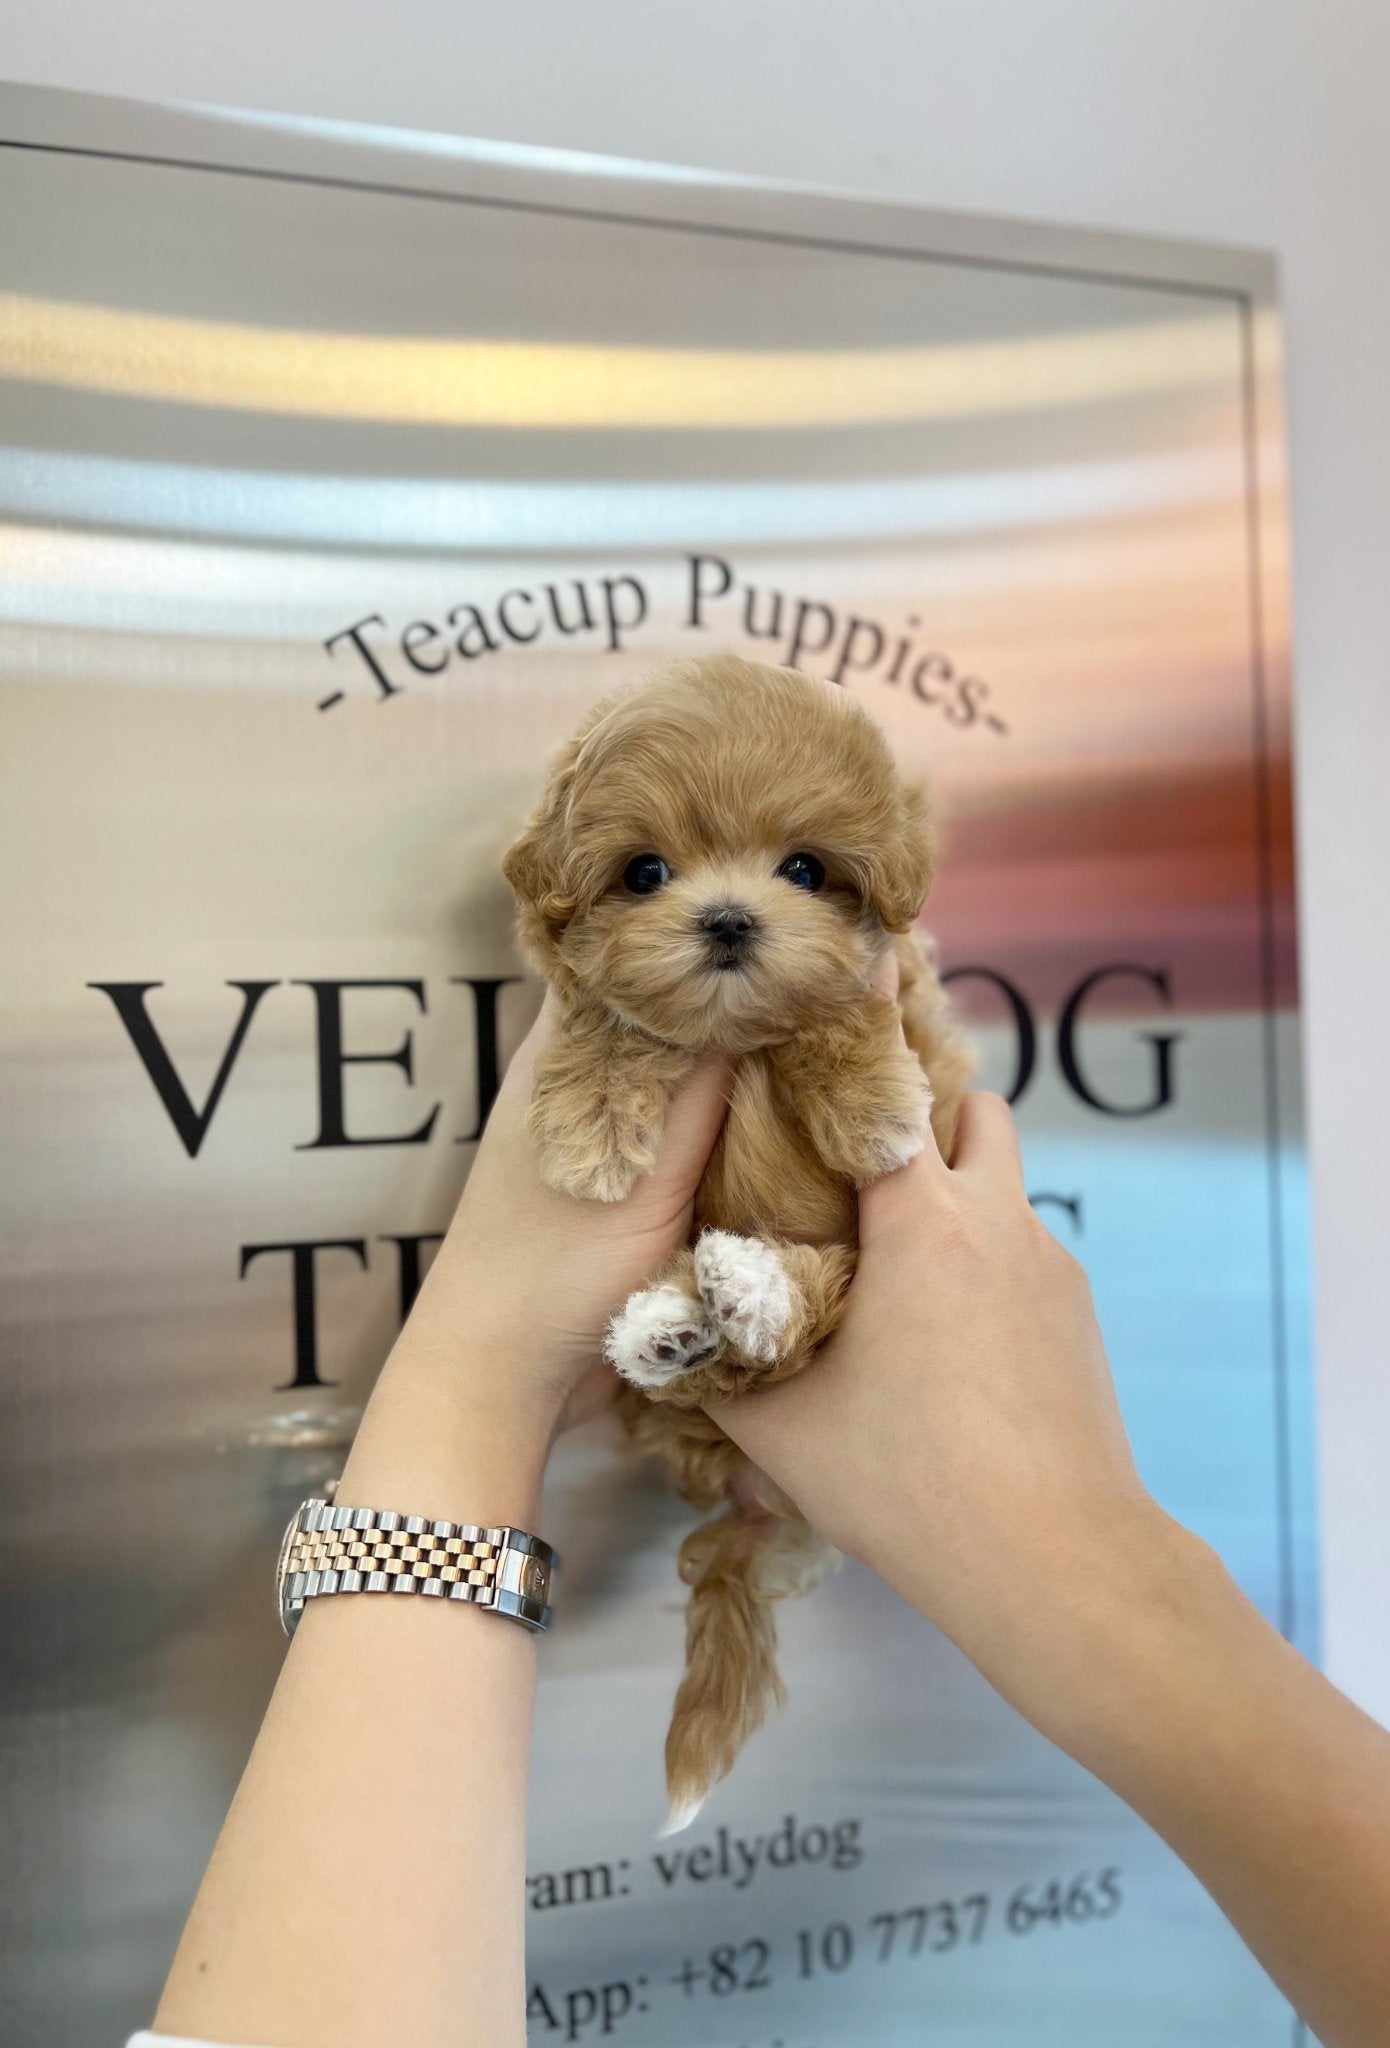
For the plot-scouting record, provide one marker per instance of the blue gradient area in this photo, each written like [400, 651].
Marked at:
[1207, 1335]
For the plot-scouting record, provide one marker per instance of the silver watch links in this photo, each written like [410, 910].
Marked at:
[329, 1550]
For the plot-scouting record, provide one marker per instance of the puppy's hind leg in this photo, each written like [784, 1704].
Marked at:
[771, 1303]
[663, 1330]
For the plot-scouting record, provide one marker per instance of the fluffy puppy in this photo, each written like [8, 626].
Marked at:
[723, 859]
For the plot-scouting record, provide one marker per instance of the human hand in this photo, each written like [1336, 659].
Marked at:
[506, 1328]
[527, 1279]
[960, 1433]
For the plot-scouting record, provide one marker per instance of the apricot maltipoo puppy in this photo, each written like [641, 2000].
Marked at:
[722, 860]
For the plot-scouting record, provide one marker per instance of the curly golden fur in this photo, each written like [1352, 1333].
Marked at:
[722, 859]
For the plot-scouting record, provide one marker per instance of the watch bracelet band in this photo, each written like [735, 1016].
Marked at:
[329, 1550]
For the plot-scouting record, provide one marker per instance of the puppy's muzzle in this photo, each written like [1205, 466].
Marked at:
[730, 933]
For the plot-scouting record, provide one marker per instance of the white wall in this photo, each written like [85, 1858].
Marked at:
[1258, 121]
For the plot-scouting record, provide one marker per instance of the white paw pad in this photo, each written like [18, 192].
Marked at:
[660, 1334]
[745, 1287]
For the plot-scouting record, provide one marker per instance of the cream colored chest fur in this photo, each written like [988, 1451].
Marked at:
[765, 1179]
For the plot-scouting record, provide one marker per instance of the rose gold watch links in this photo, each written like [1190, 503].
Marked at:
[329, 1550]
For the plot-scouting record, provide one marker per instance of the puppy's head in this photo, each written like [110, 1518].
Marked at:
[721, 854]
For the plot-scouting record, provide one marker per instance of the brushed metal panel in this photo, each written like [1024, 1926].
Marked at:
[262, 382]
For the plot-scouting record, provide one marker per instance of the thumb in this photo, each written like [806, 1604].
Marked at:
[773, 1426]
[694, 1120]
[897, 1201]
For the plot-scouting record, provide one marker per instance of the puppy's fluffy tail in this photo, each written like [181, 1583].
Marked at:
[736, 1567]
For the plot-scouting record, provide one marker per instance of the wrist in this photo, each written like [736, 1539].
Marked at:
[488, 1339]
[465, 1439]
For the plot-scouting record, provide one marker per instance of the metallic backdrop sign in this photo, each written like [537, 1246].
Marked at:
[341, 472]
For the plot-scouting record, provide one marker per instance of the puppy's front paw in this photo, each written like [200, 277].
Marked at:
[890, 1128]
[660, 1334]
[589, 1179]
[596, 1151]
[744, 1284]
[902, 1130]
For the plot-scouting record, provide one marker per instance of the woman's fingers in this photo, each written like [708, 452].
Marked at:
[693, 1121]
[898, 1202]
[987, 1144]
[986, 1156]
[766, 1425]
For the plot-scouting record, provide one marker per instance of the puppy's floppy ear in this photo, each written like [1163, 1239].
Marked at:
[898, 870]
[535, 865]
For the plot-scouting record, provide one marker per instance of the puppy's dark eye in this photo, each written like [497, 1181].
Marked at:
[645, 873]
[803, 871]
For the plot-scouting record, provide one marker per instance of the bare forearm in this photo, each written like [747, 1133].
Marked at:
[367, 1890]
[1272, 1787]
[368, 1885]
[960, 1434]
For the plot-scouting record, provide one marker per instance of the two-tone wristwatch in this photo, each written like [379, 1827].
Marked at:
[329, 1550]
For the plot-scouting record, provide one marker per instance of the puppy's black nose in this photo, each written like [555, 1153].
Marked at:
[729, 927]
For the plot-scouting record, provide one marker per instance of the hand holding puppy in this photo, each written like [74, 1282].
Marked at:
[960, 1434]
[538, 1273]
